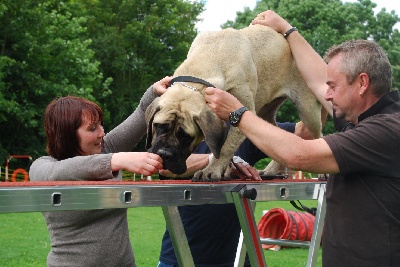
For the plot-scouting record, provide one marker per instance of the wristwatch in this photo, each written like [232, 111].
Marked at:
[235, 116]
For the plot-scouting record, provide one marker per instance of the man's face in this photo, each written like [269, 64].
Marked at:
[340, 92]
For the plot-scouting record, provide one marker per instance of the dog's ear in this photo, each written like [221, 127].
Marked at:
[214, 130]
[151, 110]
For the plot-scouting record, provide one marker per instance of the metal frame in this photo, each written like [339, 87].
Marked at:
[128, 195]
[241, 197]
[178, 236]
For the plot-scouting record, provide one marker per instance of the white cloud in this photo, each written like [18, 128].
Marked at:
[218, 12]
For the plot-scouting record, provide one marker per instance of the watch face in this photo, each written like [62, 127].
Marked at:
[234, 118]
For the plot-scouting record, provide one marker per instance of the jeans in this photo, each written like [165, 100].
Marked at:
[162, 264]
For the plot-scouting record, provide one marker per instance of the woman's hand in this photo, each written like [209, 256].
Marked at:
[162, 85]
[137, 162]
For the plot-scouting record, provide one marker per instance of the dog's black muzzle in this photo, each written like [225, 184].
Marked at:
[172, 160]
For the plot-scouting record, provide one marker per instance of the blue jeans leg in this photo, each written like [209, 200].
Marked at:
[162, 264]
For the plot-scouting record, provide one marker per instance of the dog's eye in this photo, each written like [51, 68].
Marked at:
[161, 127]
[180, 134]
[183, 137]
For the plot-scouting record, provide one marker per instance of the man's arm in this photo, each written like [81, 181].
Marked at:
[311, 66]
[247, 151]
[286, 148]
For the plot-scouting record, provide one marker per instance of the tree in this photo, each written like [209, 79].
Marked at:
[43, 56]
[50, 48]
[137, 43]
[324, 23]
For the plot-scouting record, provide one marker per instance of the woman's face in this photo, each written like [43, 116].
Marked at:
[90, 135]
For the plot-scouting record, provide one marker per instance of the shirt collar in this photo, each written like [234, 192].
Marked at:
[388, 103]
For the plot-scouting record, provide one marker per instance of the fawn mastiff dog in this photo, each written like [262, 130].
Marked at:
[254, 64]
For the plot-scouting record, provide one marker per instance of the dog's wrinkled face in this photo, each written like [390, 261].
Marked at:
[173, 144]
[172, 134]
[172, 147]
[177, 122]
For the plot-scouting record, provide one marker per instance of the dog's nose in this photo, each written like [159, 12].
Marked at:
[171, 161]
[164, 154]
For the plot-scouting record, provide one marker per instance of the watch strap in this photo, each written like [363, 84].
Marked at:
[238, 115]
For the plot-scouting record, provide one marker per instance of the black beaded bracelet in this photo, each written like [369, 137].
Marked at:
[289, 32]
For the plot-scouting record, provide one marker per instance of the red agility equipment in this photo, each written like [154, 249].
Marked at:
[278, 223]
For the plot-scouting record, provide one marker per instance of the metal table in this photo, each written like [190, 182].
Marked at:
[69, 195]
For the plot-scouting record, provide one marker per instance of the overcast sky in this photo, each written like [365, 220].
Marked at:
[219, 11]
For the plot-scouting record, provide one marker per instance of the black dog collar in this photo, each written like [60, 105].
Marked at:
[190, 79]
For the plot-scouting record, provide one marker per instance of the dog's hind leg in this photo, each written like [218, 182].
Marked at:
[271, 169]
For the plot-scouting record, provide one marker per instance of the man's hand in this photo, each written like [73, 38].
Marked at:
[273, 20]
[221, 102]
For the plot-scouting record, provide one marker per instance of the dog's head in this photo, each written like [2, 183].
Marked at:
[177, 122]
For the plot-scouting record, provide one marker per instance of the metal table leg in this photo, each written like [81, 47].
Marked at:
[241, 197]
[318, 227]
[178, 236]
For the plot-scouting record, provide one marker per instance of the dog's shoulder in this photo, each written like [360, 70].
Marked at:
[216, 37]
[263, 34]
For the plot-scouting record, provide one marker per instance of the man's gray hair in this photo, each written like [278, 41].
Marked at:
[364, 56]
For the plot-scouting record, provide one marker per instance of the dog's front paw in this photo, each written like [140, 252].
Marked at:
[212, 174]
[201, 176]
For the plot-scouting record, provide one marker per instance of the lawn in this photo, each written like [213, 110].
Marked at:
[24, 240]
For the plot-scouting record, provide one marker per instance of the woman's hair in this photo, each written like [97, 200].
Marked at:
[62, 118]
[366, 56]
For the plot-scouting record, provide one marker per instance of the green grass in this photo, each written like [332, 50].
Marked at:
[24, 240]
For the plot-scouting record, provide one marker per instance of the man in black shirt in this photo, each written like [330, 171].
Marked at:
[362, 222]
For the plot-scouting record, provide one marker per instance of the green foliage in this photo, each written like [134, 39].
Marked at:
[324, 23]
[137, 43]
[50, 48]
[112, 51]
[43, 56]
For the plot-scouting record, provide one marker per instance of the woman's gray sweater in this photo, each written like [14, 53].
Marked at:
[92, 237]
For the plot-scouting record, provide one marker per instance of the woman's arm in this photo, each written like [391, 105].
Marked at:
[126, 135]
[94, 167]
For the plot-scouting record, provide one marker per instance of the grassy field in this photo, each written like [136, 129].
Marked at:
[24, 240]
